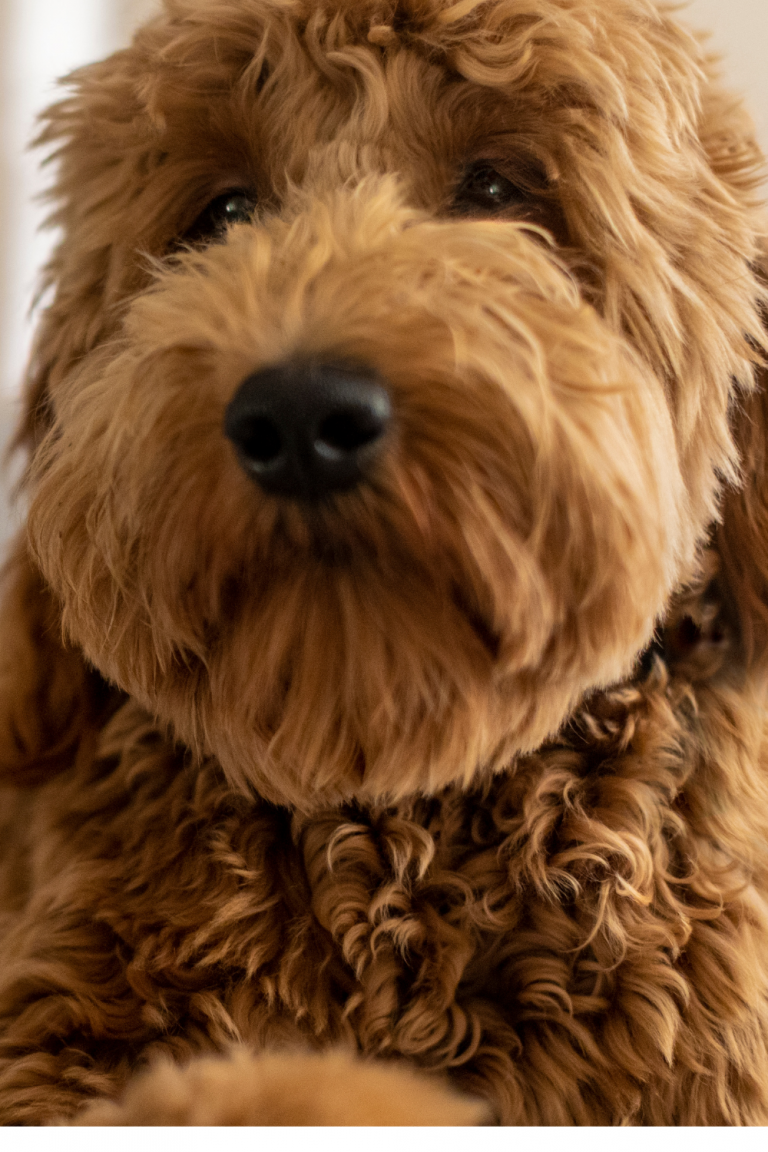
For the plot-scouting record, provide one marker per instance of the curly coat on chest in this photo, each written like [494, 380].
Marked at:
[383, 663]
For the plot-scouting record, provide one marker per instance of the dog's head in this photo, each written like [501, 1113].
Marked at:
[386, 395]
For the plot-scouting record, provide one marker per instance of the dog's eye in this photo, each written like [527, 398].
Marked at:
[233, 207]
[483, 189]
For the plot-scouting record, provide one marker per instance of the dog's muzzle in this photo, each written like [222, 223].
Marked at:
[306, 430]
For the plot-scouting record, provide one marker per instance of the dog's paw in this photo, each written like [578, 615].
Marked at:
[331, 1088]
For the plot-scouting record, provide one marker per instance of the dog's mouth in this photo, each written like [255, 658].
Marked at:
[335, 551]
[323, 536]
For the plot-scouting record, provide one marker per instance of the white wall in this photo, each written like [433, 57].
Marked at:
[43, 39]
[740, 30]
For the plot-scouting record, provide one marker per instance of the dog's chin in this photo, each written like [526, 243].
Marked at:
[456, 741]
[317, 701]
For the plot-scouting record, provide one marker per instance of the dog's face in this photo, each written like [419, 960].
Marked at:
[389, 371]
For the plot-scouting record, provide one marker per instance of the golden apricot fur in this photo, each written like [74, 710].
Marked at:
[430, 787]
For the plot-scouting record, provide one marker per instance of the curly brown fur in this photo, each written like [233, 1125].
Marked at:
[463, 768]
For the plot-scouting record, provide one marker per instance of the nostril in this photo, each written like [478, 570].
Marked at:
[261, 440]
[348, 430]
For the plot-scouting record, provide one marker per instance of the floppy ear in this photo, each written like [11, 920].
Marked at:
[741, 538]
[50, 699]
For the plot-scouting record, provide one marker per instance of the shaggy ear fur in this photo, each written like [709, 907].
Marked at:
[50, 698]
[741, 537]
[51, 703]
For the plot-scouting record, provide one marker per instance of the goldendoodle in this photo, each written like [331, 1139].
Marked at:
[385, 661]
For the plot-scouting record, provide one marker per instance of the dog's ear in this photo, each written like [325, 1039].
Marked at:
[51, 702]
[85, 274]
[50, 699]
[740, 538]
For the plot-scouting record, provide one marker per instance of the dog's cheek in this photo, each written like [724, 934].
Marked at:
[115, 512]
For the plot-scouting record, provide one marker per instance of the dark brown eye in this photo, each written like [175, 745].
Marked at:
[236, 206]
[483, 189]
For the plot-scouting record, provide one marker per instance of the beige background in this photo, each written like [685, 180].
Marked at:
[76, 30]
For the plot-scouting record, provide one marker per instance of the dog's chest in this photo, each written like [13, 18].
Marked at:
[430, 929]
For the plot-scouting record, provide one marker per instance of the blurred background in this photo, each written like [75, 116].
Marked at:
[41, 40]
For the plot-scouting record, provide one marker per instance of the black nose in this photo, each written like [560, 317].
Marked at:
[305, 429]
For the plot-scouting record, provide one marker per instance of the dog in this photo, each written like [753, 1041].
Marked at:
[384, 660]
